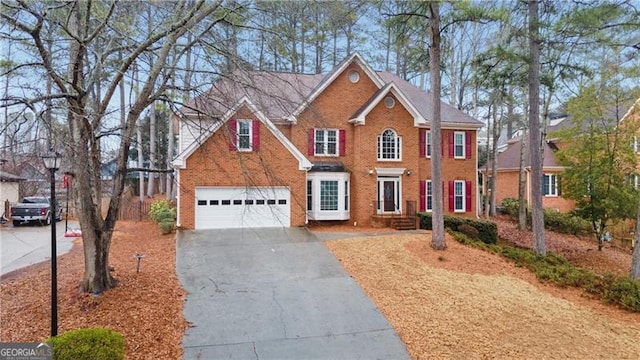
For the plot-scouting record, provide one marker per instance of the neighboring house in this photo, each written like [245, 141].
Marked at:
[267, 149]
[10, 187]
[508, 164]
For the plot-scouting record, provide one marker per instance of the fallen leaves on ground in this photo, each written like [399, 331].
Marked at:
[466, 303]
[145, 307]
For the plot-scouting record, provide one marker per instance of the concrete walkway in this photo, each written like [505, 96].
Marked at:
[275, 294]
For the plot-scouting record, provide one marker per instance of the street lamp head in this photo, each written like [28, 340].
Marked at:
[51, 160]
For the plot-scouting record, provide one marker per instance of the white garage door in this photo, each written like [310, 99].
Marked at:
[242, 207]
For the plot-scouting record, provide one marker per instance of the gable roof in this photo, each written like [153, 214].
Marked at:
[283, 96]
[9, 177]
[303, 162]
[509, 159]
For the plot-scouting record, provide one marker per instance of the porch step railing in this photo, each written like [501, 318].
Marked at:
[405, 220]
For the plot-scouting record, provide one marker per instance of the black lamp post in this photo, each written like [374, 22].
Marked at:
[52, 163]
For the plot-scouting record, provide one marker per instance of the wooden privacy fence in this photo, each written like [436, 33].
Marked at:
[134, 210]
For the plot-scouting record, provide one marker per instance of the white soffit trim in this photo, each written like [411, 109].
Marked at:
[334, 74]
[303, 162]
[636, 105]
[390, 171]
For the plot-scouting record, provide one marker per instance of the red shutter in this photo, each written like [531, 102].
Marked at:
[310, 147]
[256, 135]
[467, 198]
[423, 142]
[467, 144]
[452, 198]
[423, 195]
[233, 126]
[342, 142]
[452, 144]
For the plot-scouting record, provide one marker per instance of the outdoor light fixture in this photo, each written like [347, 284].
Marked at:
[370, 171]
[52, 163]
[139, 257]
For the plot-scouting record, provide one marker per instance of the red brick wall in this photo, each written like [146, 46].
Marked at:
[213, 164]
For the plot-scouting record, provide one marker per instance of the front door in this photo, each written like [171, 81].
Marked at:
[389, 195]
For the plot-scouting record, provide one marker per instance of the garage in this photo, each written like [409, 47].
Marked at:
[242, 207]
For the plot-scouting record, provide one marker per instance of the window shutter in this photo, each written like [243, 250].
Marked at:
[342, 141]
[452, 144]
[423, 143]
[467, 144]
[233, 126]
[310, 145]
[451, 196]
[423, 195]
[467, 197]
[256, 135]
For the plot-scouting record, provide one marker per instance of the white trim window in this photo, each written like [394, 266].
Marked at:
[389, 146]
[428, 196]
[459, 150]
[326, 142]
[458, 196]
[244, 135]
[635, 145]
[328, 196]
[427, 145]
[550, 185]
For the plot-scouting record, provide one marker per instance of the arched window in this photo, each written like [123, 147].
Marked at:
[389, 145]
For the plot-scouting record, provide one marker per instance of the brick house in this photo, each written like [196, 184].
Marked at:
[353, 146]
[508, 164]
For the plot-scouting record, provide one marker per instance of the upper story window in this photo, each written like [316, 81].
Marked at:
[389, 146]
[428, 143]
[459, 145]
[635, 144]
[550, 185]
[326, 142]
[244, 134]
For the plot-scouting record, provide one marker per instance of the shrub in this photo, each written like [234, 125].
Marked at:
[624, 292]
[93, 343]
[487, 230]
[160, 209]
[567, 223]
[510, 206]
[162, 213]
[470, 231]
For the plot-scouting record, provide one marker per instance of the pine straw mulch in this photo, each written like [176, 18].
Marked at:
[466, 303]
[146, 307]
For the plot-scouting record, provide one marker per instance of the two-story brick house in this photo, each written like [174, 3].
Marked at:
[264, 149]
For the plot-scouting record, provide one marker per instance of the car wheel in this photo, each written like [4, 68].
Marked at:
[16, 223]
[46, 222]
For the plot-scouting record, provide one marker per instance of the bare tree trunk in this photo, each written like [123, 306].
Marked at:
[152, 150]
[437, 216]
[497, 127]
[635, 258]
[489, 181]
[539, 245]
[522, 183]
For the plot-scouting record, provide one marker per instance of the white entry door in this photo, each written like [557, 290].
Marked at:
[242, 207]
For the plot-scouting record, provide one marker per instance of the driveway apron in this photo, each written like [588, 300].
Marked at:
[275, 293]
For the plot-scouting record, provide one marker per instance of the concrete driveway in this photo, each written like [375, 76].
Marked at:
[275, 294]
[30, 244]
